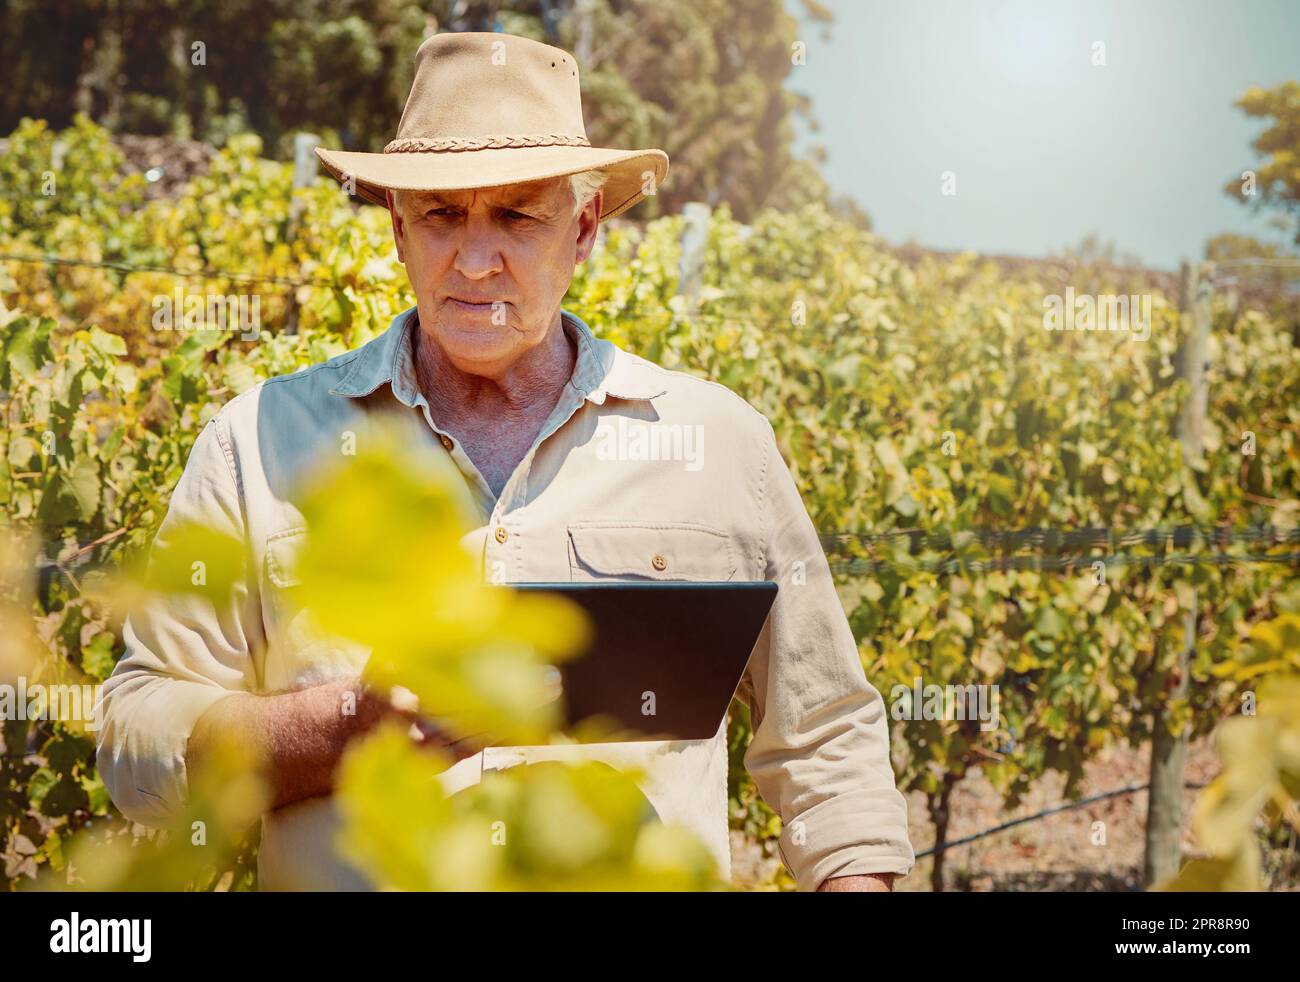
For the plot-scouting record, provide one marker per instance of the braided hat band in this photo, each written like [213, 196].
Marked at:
[426, 144]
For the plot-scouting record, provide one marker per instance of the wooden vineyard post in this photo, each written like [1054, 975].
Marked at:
[1169, 750]
[695, 239]
[304, 176]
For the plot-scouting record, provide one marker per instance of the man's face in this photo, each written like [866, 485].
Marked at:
[490, 266]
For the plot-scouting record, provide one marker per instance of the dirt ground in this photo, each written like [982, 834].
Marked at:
[1052, 853]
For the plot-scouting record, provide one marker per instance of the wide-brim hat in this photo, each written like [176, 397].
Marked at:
[487, 110]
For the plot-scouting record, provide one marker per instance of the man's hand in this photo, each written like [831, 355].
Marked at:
[300, 736]
[402, 704]
[866, 883]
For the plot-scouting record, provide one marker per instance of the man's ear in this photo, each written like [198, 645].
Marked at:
[588, 226]
[399, 227]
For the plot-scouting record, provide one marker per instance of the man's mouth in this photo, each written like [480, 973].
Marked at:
[475, 305]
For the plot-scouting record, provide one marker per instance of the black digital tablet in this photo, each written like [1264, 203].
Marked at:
[665, 658]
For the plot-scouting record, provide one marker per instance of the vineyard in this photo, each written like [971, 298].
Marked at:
[922, 407]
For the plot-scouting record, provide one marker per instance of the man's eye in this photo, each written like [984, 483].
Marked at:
[441, 212]
[516, 216]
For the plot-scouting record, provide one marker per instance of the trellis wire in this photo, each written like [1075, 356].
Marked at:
[1054, 810]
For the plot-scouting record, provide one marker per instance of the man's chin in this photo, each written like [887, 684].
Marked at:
[477, 349]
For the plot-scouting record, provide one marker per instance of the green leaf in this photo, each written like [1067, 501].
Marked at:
[28, 346]
[64, 797]
[107, 344]
[82, 483]
[98, 658]
[21, 451]
[66, 752]
[1049, 623]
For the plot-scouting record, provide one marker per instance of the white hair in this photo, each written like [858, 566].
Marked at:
[582, 187]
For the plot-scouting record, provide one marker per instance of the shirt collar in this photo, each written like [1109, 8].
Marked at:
[602, 368]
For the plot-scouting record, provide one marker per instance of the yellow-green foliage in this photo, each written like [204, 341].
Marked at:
[476, 663]
[1261, 766]
[925, 396]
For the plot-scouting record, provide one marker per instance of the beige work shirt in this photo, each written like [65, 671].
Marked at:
[590, 500]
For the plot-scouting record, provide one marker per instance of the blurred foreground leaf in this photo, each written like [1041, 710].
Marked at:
[545, 826]
[400, 583]
[226, 799]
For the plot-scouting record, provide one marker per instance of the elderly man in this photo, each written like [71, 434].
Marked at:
[495, 194]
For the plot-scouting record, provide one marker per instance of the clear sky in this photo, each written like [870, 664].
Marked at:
[1046, 148]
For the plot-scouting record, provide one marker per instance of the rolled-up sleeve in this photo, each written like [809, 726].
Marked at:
[184, 652]
[820, 750]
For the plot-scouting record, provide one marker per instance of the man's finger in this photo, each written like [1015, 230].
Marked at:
[460, 746]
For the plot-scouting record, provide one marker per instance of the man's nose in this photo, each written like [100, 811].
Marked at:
[478, 254]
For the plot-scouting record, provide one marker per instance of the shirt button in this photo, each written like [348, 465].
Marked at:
[659, 562]
[502, 534]
[446, 441]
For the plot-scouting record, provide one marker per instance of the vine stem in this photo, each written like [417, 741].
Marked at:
[106, 537]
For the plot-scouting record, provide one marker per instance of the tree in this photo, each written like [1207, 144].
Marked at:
[703, 79]
[1276, 183]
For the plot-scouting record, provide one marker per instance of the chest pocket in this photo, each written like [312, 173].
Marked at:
[282, 551]
[302, 654]
[649, 551]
